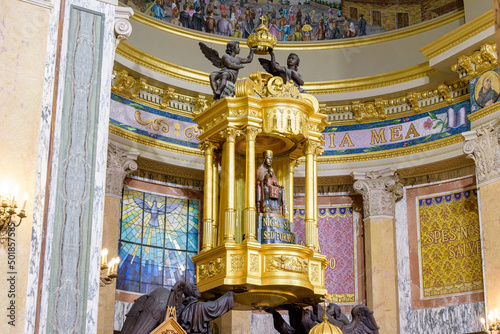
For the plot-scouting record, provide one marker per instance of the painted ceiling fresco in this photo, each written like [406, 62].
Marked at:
[294, 20]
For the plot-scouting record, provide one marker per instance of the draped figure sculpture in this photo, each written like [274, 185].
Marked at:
[193, 315]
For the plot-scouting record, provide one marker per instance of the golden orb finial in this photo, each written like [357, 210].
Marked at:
[262, 39]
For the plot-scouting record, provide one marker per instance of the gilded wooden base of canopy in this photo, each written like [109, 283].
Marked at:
[262, 275]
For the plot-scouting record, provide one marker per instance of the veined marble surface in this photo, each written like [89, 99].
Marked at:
[121, 309]
[453, 319]
[263, 323]
[41, 175]
[87, 273]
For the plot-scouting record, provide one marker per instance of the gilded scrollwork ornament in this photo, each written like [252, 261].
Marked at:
[212, 268]
[287, 263]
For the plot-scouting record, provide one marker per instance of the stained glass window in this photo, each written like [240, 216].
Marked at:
[158, 238]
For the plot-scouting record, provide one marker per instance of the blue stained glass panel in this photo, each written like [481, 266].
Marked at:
[154, 220]
[193, 226]
[176, 223]
[152, 268]
[131, 225]
[191, 269]
[129, 267]
[175, 267]
[158, 237]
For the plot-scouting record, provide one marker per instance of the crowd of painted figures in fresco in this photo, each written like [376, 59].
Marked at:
[238, 19]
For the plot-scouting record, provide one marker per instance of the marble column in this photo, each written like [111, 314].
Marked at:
[230, 135]
[63, 278]
[380, 191]
[483, 146]
[120, 163]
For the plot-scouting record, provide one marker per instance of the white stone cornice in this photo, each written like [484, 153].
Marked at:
[482, 146]
[380, 190]
[120, 164]
[123, 28]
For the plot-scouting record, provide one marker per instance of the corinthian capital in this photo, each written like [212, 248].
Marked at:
[207, 147]
[380, 190]
[120, 164]
[313, 147]
[230, 134]
[482, 146]
[123, 28]
[252, 132]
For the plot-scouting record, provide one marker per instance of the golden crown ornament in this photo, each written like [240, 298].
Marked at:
[262, 39]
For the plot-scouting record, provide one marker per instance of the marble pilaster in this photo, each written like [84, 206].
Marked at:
[380, 191]
[120, 163]
[73, 158]
[483, 146]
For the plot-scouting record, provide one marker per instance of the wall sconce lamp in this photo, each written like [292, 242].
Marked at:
[108, 270]
[8, 213]
[492, 325]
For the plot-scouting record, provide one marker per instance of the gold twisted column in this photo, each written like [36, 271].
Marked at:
[215, 196]
[208, 199]
[310, 219]
[230, 135]
[251, 134]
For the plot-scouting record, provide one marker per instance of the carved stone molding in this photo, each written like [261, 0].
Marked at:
[380, 190]
[482, 146]
[123, 28]
[120, 164]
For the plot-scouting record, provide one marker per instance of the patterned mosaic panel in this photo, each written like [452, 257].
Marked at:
[450, 246]
[336, 239]
[158, 237]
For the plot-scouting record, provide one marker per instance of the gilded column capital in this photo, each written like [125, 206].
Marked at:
[230, 134]
[313, 147]
[208, 147]
[251, 132]
[482, 146]
[293, 163]
[380, 190]
[120, 163]
[123, 28]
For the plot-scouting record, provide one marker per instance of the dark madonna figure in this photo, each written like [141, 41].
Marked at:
[288, 73]
[270, 195]
[487, 95]
[229, 66]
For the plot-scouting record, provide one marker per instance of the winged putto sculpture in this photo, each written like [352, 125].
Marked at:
[223, 80]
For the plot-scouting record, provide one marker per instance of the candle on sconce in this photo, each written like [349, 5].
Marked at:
[491, 319]
[117, 261]
[25, 200]
[483, 321]
[104, 255]
[111, 264]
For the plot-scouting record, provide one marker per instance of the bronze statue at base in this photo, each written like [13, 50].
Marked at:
[302, 320]
[193, 315]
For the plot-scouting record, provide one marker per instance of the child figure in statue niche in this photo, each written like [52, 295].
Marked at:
[273, 194]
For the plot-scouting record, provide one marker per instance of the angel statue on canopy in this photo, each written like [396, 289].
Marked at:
[287, 73]
[223, 81]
